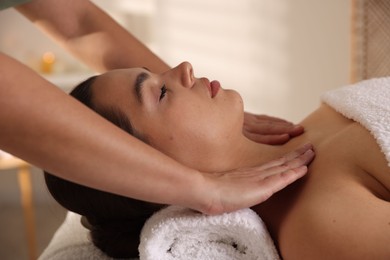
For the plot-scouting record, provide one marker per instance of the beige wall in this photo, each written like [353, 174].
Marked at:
[319, 51]
[281, 55]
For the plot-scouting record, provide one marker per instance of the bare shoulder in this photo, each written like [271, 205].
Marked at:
[349, 142]
[343, 211]
[348, 223]
[371, 159]
[341, 208]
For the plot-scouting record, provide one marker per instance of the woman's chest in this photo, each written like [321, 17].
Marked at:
[347, 157]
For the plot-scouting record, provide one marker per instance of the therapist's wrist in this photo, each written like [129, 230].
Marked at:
[205, 196]
[195, 193]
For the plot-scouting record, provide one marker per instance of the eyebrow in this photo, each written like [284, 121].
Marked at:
[138, 85]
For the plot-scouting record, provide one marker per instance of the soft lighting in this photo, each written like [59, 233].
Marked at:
[47, 63]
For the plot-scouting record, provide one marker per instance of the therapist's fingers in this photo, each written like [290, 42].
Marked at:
[290, 157]
[268, 125]
[263, 117]
[247, 187]
[272, 128]
[233, 190]
[297, 158]
[302, 160]
[267, 139]
[269, 130]
[276, 182]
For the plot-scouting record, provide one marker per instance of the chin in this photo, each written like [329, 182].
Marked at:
[234, 109]
[234, 96]
[237, 102]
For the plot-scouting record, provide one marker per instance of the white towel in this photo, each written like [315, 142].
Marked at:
[366, 102]
[180, 233]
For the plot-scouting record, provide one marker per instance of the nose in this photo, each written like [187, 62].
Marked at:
[185, 73]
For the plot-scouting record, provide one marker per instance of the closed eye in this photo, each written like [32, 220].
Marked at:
[163, 92]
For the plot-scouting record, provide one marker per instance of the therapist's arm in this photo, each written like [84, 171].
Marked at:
[41, 124]
[91, 35]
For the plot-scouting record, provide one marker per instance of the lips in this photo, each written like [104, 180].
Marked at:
[213, 86]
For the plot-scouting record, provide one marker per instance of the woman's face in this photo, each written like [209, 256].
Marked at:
[183, 116]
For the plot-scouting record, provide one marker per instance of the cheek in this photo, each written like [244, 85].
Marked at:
[180, 135]
[202, 124]
[231, 113]
[175, 144]
[185, 129]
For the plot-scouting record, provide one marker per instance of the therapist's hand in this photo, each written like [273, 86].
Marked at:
[243, 188]
[269, 130]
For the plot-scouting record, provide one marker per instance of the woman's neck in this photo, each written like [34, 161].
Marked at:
[239, 154]
[320, 125]
[243, 152]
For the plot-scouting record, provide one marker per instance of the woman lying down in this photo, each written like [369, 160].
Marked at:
[339, 210]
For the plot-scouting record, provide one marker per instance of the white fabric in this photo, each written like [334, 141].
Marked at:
[72, 241]
[366, 102]
[180, 233]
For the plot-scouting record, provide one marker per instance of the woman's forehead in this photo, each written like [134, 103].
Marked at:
[119, 77]
[113, 86]
[115, 75]
[123, 72]
[111, 79]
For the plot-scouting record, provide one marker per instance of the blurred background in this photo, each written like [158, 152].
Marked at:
[279, 54]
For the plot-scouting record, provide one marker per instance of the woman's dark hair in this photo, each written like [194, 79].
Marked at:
[115, 222]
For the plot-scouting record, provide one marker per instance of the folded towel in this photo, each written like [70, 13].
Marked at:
[180, 233]
[366, 102]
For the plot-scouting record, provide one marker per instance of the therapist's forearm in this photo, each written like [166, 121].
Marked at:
[91, 35]
[43, 125]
